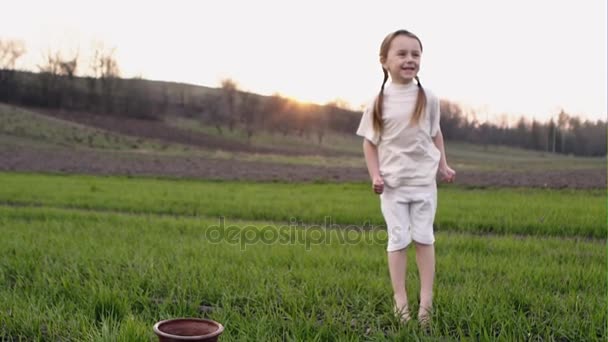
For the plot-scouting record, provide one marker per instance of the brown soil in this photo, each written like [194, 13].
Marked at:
[14, 158]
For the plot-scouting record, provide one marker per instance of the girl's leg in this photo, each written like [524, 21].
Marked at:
[425, 258]
[396, 215]
[397, 262]
[422, 212]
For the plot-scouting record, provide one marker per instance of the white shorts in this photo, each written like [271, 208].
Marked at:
[409, 213]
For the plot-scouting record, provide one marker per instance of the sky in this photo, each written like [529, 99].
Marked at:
[513, 58]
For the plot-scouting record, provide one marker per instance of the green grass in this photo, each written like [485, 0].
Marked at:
[309, 160]
[26, 127]
[465, 156]
[332, 141]
[74, 275]
[568, 213]
[462, 156]
[23, 127]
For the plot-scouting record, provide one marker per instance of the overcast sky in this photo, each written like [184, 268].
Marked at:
[529, 57]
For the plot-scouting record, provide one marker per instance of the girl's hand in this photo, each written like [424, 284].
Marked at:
[447, 174]
[378, 185]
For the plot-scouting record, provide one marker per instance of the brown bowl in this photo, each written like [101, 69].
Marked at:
[188, 329]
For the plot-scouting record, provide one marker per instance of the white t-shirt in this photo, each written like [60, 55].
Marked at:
[406, 153]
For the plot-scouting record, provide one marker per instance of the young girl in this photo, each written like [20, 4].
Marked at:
[404, 150]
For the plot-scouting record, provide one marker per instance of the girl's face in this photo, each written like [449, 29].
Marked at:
[403, 59]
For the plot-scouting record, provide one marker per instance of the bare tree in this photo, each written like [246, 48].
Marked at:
[275, 109]
[50, 70]
[64, 70]
[229, 92]
[94, 75]
[103, 70]
[321, 118]
[103, 64]
[289, 117]
[562, 127]
[211, 110]
[10, 52]
[50, 63]
[68, 67]
[551, 136]
[164, 104]
[249, 110]
[452, 120]
[538, 137]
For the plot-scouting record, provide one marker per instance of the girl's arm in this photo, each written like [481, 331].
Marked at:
[446, 173]
[371, 160]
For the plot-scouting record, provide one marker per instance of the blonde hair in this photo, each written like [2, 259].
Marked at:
[420, 100]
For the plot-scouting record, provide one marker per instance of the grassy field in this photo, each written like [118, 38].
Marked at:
[29, 128]
[103, 258]
[24, 127]
[331, 141]
[523, 211]
[463, 156]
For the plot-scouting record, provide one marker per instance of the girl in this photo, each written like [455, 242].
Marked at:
[403, 148]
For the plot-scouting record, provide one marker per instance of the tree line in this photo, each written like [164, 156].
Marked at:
[565, 134]
[100, 89]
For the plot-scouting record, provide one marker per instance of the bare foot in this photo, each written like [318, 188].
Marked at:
[424, 316]
[401, 310]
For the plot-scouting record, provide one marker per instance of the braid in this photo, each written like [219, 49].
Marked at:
[378, 105]
[420, 103]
